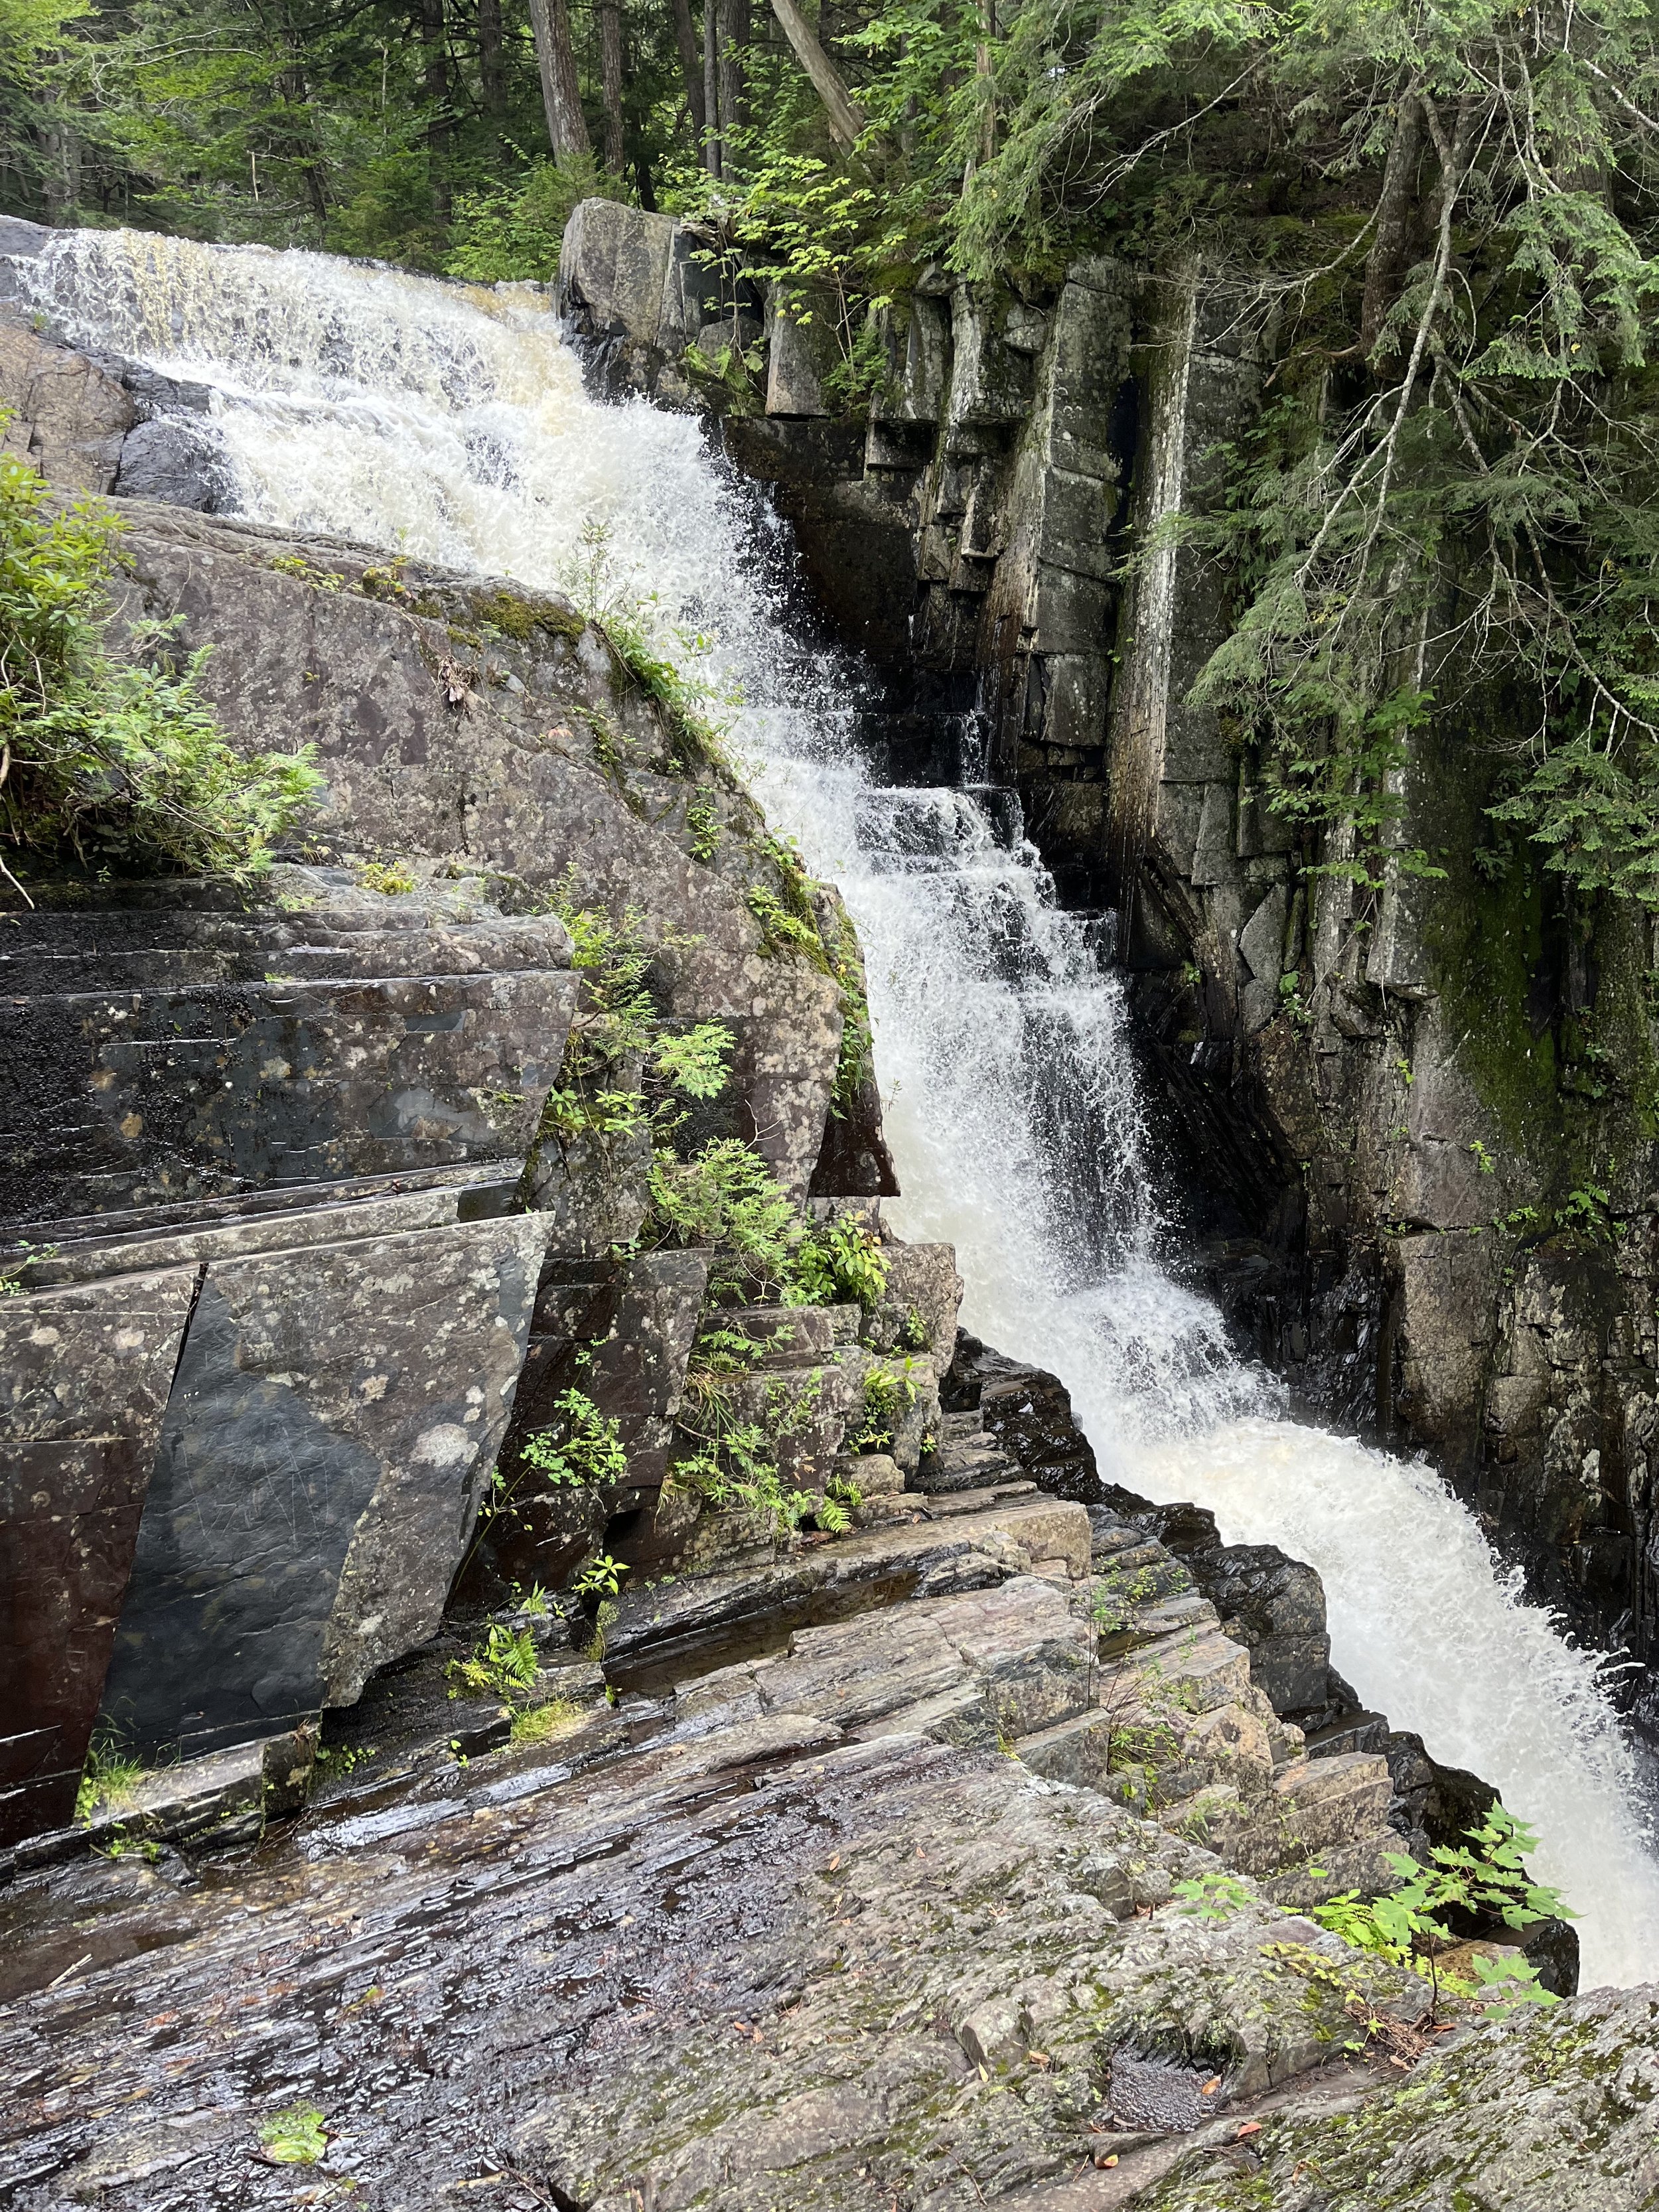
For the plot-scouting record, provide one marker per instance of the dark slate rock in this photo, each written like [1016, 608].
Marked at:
[1275, 1607]
[167, 1052]
[178, 462]
[86, 1373]
[337, 1413]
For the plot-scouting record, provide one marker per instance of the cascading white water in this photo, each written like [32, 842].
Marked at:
[450, 422]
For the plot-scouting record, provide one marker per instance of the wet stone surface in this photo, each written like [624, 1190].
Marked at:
[757, 1969]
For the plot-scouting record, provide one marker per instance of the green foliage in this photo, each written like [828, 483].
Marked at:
[600, 1576]
[502, 1664]
[393, 879]
[111, 764]
[840, 1262]
[588, 1454]
[695, 708]
[108, 1778]
[1215, 1895]
[695, 1060]
[726, 1197]
[12, 1285]
[1408, 1926]
[782, 931]
[546, 1722]
[297, 2136]
[1118, 1595]
[508, 232]
[888, 1396]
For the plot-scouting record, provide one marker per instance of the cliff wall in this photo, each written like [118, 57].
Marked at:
[1413, 1135]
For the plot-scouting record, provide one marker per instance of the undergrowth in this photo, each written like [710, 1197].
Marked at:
[106, 764]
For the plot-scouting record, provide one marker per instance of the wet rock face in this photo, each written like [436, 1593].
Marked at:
[1550, 2113]
[87, 1373]
[785, 1971]
[188, 1042]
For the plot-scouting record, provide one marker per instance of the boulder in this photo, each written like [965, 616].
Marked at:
[181, 463]
[614, 266]
[70, 416]
[801, 352]
[337, 1412]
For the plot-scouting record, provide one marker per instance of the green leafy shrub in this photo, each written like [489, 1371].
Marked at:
[1408, 1925]
[726, 1196]
[110, 764]
[842, 1262]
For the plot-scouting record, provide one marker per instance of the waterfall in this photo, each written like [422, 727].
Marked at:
[449, 421]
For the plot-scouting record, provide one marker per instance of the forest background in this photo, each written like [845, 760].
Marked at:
[1445, 519]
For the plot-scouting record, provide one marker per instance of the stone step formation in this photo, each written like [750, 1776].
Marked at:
[959, 1855]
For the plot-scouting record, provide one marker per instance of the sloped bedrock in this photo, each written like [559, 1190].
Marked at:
[551, 759]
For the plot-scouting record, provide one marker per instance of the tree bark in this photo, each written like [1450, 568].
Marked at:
[734, 37]
[690, 46]
[1394, 213]
[492, 72]
[610, 75]
[711, 89]
[436, 88]
[846, 119]
[555, 57]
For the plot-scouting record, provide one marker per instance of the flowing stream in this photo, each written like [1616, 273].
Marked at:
[451, 423]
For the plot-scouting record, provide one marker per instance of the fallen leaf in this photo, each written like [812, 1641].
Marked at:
[1112, 2160]
[1211, 2086]
[1037, 2057]
[834, 1863]
[1249, 2128]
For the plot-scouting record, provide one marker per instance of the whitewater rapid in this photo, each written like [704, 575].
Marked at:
[450, 422]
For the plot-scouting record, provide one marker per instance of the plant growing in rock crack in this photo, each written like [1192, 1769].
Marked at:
[109, 1777]
[297, 2136]
[842, 1262]
[585, 1451]
[1118, 1595]
[502, 1663]
[12, 1285]
[546, 1722]
[1213, 1895]
[737, 1466]
[1408, 1925]
[655, 652]
[888, 1396]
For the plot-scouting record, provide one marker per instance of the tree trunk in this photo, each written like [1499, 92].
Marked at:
[555, 57]
[734, 36]
[492, 72]
[690, 48]
[60, 168]
[711, 90]
[846, 119]
[1394, 213]
[610, 73]
[436, 88]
